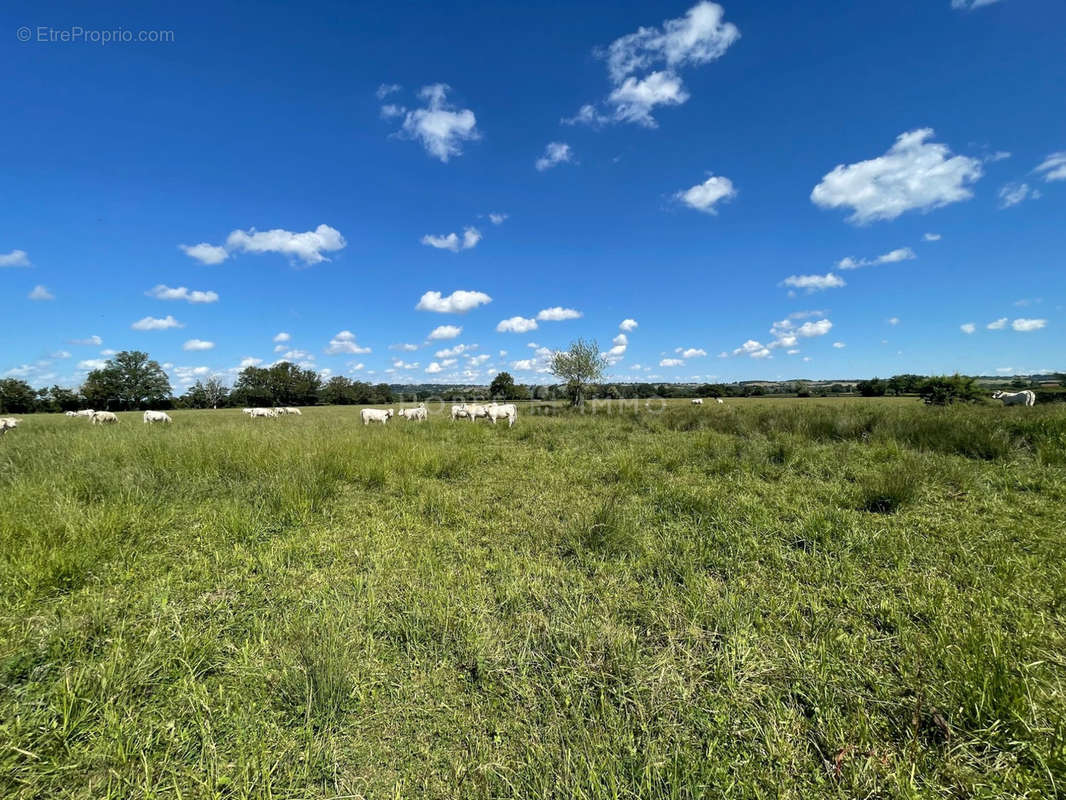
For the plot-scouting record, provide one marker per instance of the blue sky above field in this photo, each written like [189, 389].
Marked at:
[406, 192]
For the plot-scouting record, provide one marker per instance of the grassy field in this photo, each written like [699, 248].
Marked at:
[776, 598]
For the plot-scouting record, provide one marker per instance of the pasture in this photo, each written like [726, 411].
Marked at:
[770, 598]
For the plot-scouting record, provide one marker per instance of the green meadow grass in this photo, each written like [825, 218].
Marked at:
[775, 598]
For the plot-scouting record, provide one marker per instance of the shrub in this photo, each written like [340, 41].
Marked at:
[944, 390]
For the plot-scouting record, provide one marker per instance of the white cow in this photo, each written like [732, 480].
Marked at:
[156, 416]
[475, 411]
[419, 413]
[719, 400]
[507, 411]
[459, 411]
[7, 424]
[246, 411]
[85, 412]
[290, 410]
[369, 415]
[103, 418]
[1023, 398]
[70, 414]
[698, 401]
[263, 412]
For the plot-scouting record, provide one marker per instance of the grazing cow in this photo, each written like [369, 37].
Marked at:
[156, 416]
[103, 418]
[507, 411]
[719, 400]
[459, 411]
[85, 412]
[246, 411]
[475, 411]
[419, 413]
[697, 401]
[1023, 398]
[8, 424]
[290, 410]
[263, 412]
[369, 415]
[70, 414]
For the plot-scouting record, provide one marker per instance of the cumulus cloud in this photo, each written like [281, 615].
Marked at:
[691, 352]
[434, 367]
[205, 253]
[970, 5]
[445, 332]
[458, 302]
[1011, 194]
[753, 349]
[307, 246]
[997, 325]
[455, 350]
[517, 325]
[1053, 168]
[452, 241]
[60, 354]
[156, 324]
[704, 196]
[557, 314]
[283, 337]
[643, 66]
[554, 154]
[344, 343]
[92, 363]
[932, 237]
[385, 89]
[197, 344]
[893, 321]
[163, 292]
[1024, 325]
[839, 345]
[671, 362]
[439, 126]
[94, 341]
[900, 254]
[497, 218]
[968, 327]
[16, 258]
[407, 348]
[40, 292]
[814, 283]
[627, 325]
[915, 174]
[248, 361]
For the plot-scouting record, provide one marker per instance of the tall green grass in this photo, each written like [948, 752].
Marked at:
[766, 598]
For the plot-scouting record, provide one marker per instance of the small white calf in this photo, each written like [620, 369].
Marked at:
[263, 412]
[7, 424]
[1023, 398]
[290, 410]
[369, 415]
[719, 400]
[419, 413]
[70, 414]
[156, 416]
[506, 411]
[103, 418]
[697, 401]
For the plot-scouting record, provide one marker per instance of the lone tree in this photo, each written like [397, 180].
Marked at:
[502, 387]
[579, 366]
[130, 379]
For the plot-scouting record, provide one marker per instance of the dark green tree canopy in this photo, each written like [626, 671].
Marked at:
[130, 379]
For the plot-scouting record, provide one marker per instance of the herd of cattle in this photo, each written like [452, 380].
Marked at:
[471, 411]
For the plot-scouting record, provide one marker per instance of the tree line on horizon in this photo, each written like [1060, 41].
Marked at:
[131, 380]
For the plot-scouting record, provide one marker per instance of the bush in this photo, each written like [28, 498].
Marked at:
[944, 390]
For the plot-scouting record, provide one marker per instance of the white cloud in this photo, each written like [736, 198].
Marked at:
[355, 366]
[401, 364]
[40, 292]
[296, 355]
[524, 365]
[94, 341]
[627, 325]
[390, 110]
[554, 154]
[792, 352]
[163, 292]
[692, 352]
[407, 348]
[307, 246]
[893, 321]
[156, 324]
[671, 362]
[205, 253]
[899, 254]
[517, 325]
[839, 345]
[283, 337]
[497, 218]
[969, 5]
[477, 361]
[1011, 194]
[814, 283]
[557, 314]
[250, 362]
[458, 302]
[998, 325]
[1053, 168]
[92, 363]
[344, 343]
[811, 329]
[16, 258]
[107, 351]
[913, 175]
[197, 344]
[457, 350]
[694, 39]
[60, 354]
[932, 237]
[452, 241]
[434, 367]
[704, 196]
[753, 349]
[1025, 325]
[445, 332]
[439, 126]
[385, 89]
[968, 327]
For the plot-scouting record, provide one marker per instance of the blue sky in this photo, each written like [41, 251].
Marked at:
[765, 190]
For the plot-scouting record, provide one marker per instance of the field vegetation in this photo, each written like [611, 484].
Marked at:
[766, 598]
